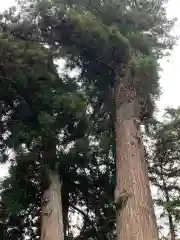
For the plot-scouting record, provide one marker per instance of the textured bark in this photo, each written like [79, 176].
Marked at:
[52, 215]
[135, 218]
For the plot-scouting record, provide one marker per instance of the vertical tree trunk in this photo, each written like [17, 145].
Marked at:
[170, 219]
[135, 213]
[171, 227]
[52, 215]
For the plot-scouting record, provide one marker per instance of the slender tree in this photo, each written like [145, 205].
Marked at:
[164, 169]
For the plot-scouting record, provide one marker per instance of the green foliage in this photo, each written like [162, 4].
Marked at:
[164, 167]
[100, 38]
[103, 37]
[20, 197]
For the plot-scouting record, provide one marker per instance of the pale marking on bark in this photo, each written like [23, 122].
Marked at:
[45, 200]
[137, 135]
[48, 212]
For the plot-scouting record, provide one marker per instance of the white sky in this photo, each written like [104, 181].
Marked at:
[170, 81]
[170, 78]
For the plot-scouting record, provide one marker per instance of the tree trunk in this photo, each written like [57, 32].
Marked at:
[171, 227]
[170, 218]
[52, 216]
[135, 213]
[65, 207]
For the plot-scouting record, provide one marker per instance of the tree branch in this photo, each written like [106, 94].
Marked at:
[86, 217]
[23, 96]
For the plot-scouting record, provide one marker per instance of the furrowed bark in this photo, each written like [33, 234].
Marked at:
[52, 215]
[52, 227]
[135, 218]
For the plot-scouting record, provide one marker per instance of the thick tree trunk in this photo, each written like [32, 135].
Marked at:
[135, 213]
[52, 215]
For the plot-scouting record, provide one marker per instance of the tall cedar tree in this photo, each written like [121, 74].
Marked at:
[26, 180]
[135, 34]
[34, 111]
[89, 189]
[124, 38]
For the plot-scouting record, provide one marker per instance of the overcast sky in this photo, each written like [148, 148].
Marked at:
[170, 77]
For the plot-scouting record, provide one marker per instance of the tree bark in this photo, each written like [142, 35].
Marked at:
[52, 215]
[135, 218]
